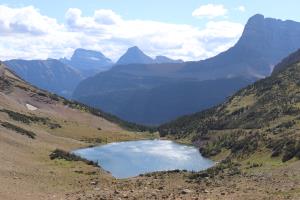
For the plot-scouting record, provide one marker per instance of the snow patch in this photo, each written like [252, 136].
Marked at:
[94, 58]
[31, 107]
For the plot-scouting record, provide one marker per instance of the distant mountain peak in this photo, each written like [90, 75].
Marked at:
[134, 55]
[259, 24]
[268, 40]
[254, 23]
[257, 17]
[85, 54]
[88, 62]
[134, 48]
[165, 59]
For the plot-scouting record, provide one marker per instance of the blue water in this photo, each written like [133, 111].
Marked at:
[128, 159]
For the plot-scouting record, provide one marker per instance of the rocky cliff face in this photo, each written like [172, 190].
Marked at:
[264, 43]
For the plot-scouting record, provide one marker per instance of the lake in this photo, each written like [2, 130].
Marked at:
[128, 159]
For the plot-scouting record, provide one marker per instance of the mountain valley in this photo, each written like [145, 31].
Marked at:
[99, 124]
[126, 89]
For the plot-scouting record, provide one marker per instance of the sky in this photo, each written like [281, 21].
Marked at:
[180, 29]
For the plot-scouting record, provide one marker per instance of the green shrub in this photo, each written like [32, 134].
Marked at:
[290, 151]
[289, 148]
[27, 119]
[228, 165]
[20, 130]
[61, 154]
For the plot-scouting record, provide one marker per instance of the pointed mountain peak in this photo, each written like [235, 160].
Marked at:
[135, 56]
[134, 48]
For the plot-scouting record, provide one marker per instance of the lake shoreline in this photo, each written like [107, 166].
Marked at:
[172, 154]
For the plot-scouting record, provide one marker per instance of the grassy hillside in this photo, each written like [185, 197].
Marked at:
[263, 116]
[19, 83]
[56, 114]
[33, 124]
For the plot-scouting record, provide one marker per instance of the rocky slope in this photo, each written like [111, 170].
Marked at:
[263, 116]
[291, 59]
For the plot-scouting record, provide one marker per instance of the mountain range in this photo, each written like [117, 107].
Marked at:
[253, 136]
[136, 56]
[148, 93]
[62, 76]
[153, 83]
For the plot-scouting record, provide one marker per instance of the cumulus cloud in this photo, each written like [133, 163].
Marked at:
[26, 33]
[107, 17]
[25, 20]
[210, 11]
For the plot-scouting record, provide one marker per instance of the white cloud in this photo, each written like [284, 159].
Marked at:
[107, 17]
[26, 33]
[210, 11]
[25, 20]
[241, 8]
